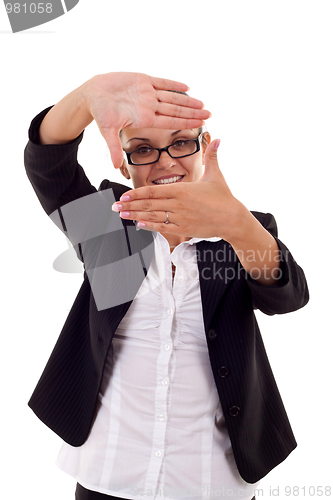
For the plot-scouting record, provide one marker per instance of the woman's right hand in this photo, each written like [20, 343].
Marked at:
[136, 100]
[121, 100]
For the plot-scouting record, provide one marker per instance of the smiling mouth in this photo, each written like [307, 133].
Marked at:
[170, 180]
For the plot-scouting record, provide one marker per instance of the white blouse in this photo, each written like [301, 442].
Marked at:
[160, 432]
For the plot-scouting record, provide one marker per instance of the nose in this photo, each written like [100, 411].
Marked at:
[165, 161]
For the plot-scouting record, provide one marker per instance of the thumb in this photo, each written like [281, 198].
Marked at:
[111, 135]
[211, 162]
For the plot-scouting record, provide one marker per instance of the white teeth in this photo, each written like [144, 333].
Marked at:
[168, 181]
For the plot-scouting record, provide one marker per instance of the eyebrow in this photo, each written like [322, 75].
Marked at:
[148, 140]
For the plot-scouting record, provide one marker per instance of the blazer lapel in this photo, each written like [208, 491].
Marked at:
[216, 264]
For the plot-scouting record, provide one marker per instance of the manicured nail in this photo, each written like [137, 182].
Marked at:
[125, 197]
[124, 214]
[116, 207]
[141, 224]
[216, 145]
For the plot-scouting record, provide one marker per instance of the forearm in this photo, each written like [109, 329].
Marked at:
[256, 248]
[53, 170]
[67, 119]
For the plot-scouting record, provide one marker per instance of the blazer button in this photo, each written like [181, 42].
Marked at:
[223, 371]
[234, 411]
[212, 334]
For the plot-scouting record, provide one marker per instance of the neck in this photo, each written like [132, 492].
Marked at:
[174, 239]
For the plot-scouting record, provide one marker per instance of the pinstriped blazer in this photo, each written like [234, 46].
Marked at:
[66, 396]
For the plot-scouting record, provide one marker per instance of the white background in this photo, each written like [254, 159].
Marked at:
[264, 69]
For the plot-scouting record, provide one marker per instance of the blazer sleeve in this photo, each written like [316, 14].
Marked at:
[78, 209]
[53, 169]
[292, 292]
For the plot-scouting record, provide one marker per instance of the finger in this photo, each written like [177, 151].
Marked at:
[151, 192]
[164, 84]
[211, 152]
[153, 216]
[211, 161]
[145, 206]
[212, 171]
[179, 99]
[160, 227]
[172, 123]
[113, 141]
[174, 110]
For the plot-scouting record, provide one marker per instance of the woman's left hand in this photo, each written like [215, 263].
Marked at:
[201, 209]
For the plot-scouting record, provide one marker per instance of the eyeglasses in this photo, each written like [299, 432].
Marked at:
[178, 149]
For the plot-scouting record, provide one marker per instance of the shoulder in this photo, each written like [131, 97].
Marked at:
[118, 189]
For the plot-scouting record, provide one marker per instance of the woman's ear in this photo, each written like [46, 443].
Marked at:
[206, 139]
[124, 170]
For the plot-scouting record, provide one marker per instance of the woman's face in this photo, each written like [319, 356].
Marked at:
[189, 169]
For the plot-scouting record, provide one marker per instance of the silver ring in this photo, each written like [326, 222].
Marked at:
[167, 220]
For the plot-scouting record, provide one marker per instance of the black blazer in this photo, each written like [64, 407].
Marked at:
[66, 396]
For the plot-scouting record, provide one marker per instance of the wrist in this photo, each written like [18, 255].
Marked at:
[78, 108]
[239, 221]
[86, 95]
[256, 249]
[67, 119]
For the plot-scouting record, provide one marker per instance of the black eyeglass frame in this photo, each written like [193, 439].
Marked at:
[160, 150]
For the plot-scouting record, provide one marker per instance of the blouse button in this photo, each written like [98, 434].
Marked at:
[158, 453]
[164, 381]
[161, 417]
[167, 347]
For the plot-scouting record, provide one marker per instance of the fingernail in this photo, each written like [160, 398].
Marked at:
[124, 197]
[124, 214]
[141, 224]
[116, 207]
[216, 145]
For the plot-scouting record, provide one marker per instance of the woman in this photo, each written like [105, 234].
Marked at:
[159, 383]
